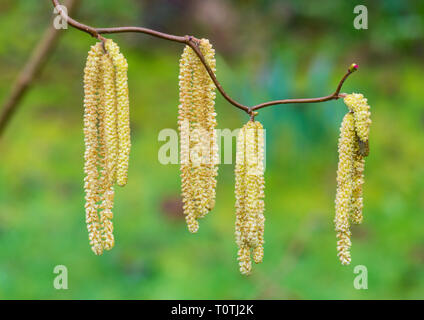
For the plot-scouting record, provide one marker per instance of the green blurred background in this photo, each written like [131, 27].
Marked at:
[265, 50]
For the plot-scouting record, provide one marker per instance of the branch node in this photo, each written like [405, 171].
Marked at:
[252, 113]
[192, 40]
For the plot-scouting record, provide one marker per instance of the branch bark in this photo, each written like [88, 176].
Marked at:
[32, 68]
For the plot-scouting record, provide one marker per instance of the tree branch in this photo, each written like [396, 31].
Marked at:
[333, 96]
[32, 68]
[194, 44]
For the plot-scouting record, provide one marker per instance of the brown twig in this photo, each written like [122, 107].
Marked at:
[193, 43]
[32, 68]
[336, 95]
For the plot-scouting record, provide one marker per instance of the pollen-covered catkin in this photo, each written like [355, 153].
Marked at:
[123, 113]
[107, 139]
[345, 187]
[111, 145]
[92, 92]
[362, 118]
[258, 252]
[353, 147]
[249, 192]
[208, 120]
[196, 123]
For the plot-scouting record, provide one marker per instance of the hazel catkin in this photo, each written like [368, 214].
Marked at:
[249, 192]
[91, 102]
[198, 141]
[344, 188]
[107, 139]
[123, 114]
[354, 135]
[110, 117]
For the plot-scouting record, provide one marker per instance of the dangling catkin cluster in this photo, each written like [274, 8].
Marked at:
[196, 122]
[249, 191]
[107, 139]
[354, 134]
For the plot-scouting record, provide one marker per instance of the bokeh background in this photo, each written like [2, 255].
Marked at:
[265, 50]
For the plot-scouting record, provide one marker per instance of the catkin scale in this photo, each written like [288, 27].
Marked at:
[107, 139]
[198, 142]
[249, 192]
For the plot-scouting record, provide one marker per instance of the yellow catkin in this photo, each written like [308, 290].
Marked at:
[240, 189]
[208, 123]
[353, 147]
[123, 114]
[111, 147]
[258, 251]
[91, 101]
[107, 139]
[362, 119]
[184, 120]
[345, 187]
[249, 192]
[196, 122]
[106, 190]
[361, 112]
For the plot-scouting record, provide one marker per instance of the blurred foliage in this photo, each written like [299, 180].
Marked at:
[266, 50]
